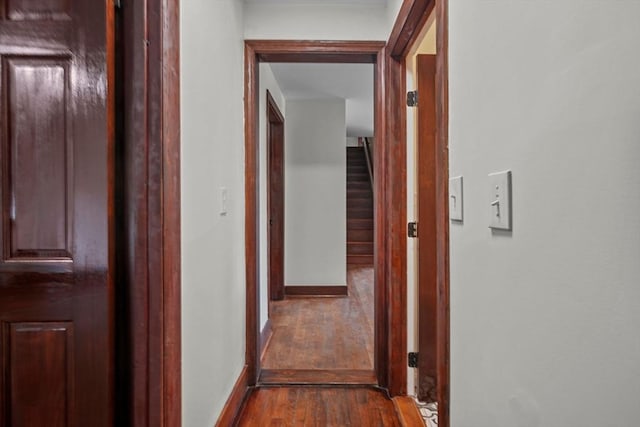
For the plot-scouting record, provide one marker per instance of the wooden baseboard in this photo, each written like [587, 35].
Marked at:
[265, 337]
[238, 396]
[316, 291]
[408, 412]
[318, 377]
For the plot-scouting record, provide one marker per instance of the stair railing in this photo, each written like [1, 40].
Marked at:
[369, 156]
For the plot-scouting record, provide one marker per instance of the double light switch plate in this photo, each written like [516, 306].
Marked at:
[500, 200]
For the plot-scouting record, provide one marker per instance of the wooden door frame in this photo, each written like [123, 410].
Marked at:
[274, 116]
[149, 214]
[257, 51]
[411, 19]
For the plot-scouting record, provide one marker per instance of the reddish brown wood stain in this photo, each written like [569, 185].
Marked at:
[275, 198]
[411, 18]
[57, 207]
[149, 391]
[325, 333]
[303, 406]
[310, 51]
[427, 245]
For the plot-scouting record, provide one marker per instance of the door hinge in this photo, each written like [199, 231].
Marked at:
[412, 98]
[412, 229]
[413, 359]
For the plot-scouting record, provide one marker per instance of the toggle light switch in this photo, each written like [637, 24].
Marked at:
[500, 200]
[455, 198]
[224, 197]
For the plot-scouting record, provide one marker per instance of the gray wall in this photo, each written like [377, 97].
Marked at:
[315, 192]
[213, 267]
[544, 320]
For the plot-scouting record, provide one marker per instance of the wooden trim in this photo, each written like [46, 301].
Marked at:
[411, 18]
[427, 169]
[252, 215]
[274, 109]
[275, 200]
[317, 377]
[396, 243]
[408, 412]
[316, 291]
[442, 214]
[310, 51]
[413, 14]
[383, 287]
[323, 51]
[237, 398]
[150, 265]
[265, 337]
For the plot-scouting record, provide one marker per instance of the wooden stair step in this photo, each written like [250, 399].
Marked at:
[359, 248]
[359, 223]
[360, 259]
[359, 213]
[360, 202]
[353, 167]
[363, 235]
[357, 176]
[360, 196]
[358, 186]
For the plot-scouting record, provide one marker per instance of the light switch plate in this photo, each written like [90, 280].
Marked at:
[455, 198]
[224, 197]
[500, 200]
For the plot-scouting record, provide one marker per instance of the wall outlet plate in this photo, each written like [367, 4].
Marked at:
[500, 200]
[455, 199]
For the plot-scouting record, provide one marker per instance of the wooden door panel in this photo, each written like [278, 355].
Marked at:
[427, 253]
[20, 10]
[56, 203]
[37, 167]
[38, 358]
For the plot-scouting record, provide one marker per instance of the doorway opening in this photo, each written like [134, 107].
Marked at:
[316, 261]
[279, 52]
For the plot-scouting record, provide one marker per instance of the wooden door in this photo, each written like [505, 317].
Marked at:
[275, 198]
[427, 250]
[56, 202]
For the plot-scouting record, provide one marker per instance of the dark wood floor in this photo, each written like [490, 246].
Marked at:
[325, 333]
[317, 406]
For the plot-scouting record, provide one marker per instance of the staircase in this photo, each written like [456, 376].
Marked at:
[359, 209]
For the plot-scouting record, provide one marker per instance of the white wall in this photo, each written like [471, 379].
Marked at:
[315, 192]
[393, 7]
[316, 21]
[213, 279]
[352, 141]
[544, 320]
[267, 82]
[425, 44]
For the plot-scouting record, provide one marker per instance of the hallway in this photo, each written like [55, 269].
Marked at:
[325, 333]
[304, 406]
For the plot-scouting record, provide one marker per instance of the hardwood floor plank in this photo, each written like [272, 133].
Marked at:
[310, 406]
[408, 413]
[317, 377]
[325, 333]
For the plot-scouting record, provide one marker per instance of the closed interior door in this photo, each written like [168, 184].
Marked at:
[427, 259]
[56, 140]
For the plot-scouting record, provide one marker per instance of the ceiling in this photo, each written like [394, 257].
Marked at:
[351, 82]
[358, 2]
